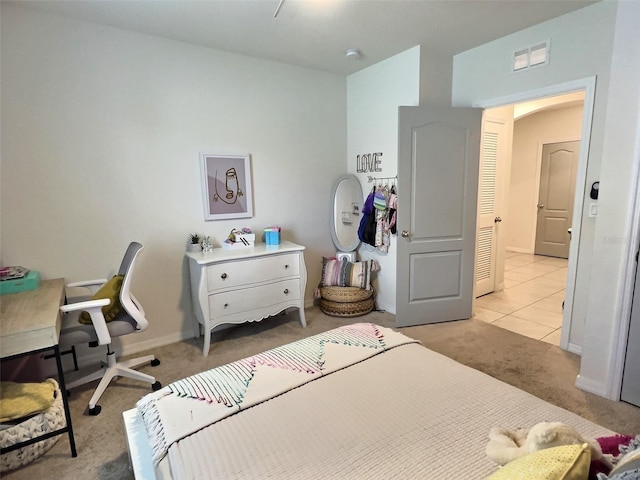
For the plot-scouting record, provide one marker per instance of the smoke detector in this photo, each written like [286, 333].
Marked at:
[353, 53]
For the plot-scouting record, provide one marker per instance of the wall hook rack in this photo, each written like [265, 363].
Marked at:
[371, 179]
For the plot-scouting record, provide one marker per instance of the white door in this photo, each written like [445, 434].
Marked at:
[631, 374]
[438, 157]
[555, 199]
[493, 159]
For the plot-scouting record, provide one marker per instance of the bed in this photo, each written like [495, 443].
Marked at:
[357, 402]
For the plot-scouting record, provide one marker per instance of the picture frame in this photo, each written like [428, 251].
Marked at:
[226, 186]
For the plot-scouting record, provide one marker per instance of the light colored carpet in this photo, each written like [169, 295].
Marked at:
[539, 368]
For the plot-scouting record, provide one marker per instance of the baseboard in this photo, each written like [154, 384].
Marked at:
[519, 250]
[385, 308]
[575, 348]
[590, 386]
[97, 354]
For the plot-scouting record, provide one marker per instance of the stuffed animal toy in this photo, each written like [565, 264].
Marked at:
[505, 446]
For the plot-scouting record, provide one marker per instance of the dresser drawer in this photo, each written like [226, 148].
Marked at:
[251, 271]
[252, 298]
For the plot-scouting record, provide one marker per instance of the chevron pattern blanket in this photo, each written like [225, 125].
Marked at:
[192, 403]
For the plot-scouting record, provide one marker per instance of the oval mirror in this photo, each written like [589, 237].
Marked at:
[345, 213]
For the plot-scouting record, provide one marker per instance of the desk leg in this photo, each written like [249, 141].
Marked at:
[65, 401]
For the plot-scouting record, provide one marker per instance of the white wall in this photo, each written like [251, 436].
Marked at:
[530, 133]
[101, 134]
[373, 97]
[616, 230]
[582, 45]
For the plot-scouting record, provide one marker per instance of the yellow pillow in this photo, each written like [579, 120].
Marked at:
[18, 400]
[568, 462]
[110, 290]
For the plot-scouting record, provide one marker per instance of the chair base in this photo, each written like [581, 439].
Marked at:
[114, 369]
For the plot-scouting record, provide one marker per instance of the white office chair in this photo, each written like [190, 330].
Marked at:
[130, 319]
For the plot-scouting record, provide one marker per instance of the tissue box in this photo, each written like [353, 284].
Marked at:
[271, 236]
[29, 282]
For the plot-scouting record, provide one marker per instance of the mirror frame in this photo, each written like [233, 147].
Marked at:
[334, 218]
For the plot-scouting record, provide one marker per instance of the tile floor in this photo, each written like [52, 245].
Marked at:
[531, 302]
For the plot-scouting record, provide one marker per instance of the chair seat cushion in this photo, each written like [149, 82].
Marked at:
[74, 333]
[110, 290]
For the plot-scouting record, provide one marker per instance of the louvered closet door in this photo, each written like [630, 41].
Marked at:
[488, 218]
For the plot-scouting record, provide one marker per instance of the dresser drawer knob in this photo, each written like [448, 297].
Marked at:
[223, 276]
[226, 305]
[286, 290]
[286, 266]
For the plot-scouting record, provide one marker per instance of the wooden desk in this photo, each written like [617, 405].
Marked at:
[30, 323]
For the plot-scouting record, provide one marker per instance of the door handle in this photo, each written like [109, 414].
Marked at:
[497, 219]
[540, 205]
[404, 233]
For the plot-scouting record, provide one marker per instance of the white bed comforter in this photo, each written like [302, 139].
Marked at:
[405, 413]
[190, 404]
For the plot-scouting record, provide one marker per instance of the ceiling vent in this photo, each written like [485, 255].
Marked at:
[534, 56]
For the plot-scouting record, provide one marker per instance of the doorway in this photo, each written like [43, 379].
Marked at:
[520, 273]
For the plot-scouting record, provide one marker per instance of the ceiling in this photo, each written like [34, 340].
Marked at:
[316, 33]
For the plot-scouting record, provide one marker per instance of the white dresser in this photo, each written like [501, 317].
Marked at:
[245, 285]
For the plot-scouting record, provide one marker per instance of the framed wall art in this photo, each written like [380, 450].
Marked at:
[226, 186]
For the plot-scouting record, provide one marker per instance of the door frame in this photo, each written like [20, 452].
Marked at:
[588, 85]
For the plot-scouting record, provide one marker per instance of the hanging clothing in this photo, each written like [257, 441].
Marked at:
[382, 220]
[393, 207]
[367, 227]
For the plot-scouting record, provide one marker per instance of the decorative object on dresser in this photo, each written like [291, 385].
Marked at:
[272, 235]
[194, 242]
[247, 285]
[239, 238]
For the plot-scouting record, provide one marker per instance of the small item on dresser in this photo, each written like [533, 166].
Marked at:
[239, 238]
[194, 243]
[272, 235]
[207, 245]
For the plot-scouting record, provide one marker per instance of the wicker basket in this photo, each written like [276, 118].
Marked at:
[345, 294]
[346, 309]
[48, 421]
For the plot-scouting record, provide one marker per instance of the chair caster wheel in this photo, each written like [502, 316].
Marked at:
[95, 410]
[155, 362]
[156, 386]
